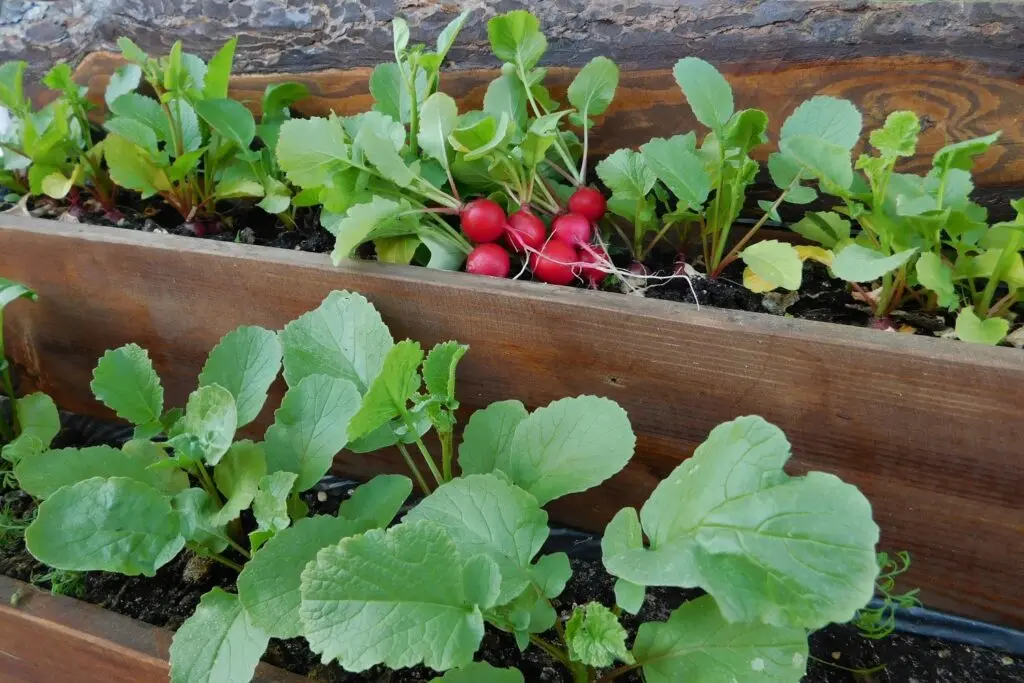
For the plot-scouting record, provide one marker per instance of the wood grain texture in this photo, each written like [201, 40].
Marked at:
[929, 429]
[955, 100]
[53, 639]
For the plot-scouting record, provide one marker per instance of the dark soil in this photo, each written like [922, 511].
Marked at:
[171, 596]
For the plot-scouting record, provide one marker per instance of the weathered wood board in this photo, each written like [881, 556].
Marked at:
[928, 428]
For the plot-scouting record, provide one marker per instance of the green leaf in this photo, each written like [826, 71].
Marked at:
[115, 525]
[124, 80]
[595, 637]
[143, 109]
[487, 439]
[132, 52]
[484, 514]
[12, 291]
[133, 167]
[860, 264]
[311, 151]
[311, 427]
[480, 672]
[898, 137]
[706, 90]
[57, 185]
[124, 380]
[191, 133]
[439, 368]
[797, 552]
[238, 179]
[629, 596]
[211, 420]
[827, 228]
[506, 95]
[230, 119]
[378, 501]
[134, 131]
[971, 328]
[937, 275]
[200, 525]
[516, 38]
[830, 163]
[187, 163]
[219, 642]
[438, 118]
[270, 507]
[626, 173]
[238, 476]
[398, 250]
[677, 165]
[825, 118]
[593, 89]
[12, 89]
[391, 97]
[37, 416]
[568, 446]
[777, 263]
[268, 587]
[477, 136]
[698, 645]
[746, 130]
[44, 474]
[392, 597]
[279, 97]
[378, 218]
[960, 155]
[446, 38]
[245, 362]
[389, 394]
[277, 197]
[218, 72]
[344, 337]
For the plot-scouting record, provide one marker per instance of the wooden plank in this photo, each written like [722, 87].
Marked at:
[956, 100]
[928, 428]
[54, 639]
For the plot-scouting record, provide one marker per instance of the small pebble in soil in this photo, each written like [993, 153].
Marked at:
[246, 236]
[197, 569]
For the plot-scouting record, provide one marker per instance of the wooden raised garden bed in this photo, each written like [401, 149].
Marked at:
[83, 643]
[928, 429]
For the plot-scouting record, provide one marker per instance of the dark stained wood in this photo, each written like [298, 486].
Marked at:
[929, 429]
[53, 639]
[955, 100]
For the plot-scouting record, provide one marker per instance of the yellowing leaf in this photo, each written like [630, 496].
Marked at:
[755, 283]
[819, 254]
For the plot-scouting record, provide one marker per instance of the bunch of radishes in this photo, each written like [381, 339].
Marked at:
[560, 258]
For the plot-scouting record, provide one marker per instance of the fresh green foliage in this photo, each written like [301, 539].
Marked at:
[778, 555]
[29, 422]
[879, 622]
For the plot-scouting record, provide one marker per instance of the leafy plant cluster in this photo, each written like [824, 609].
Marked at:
[503, 189]
[777, 555]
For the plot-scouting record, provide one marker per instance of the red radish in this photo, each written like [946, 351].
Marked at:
[488, 259]
[593, 275]
[637, 268]
[483, 221]
[525, 230]
[588, 203]
[572, 228]
[555, 264]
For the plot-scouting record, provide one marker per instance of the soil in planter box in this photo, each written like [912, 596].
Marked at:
[171, 596]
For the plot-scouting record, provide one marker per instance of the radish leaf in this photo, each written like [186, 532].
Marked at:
[245, 362]
[219, 642]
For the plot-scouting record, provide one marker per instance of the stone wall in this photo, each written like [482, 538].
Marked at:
[296, 35]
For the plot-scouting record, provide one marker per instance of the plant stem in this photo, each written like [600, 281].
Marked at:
[226, 562]
[735, 251]
[208, 484]
[551, 650]
[8, 431]
[657, 238]
[238, 548]
[561, 171]
[428, 458]
[446, 455]
[1003, 265]
[615, 673]
[999, 307]
[414, 468]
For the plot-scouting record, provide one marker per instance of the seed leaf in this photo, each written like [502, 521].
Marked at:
[125, 382]
[219, 642]
[729, 519]
[114, 525]
[698, 644]
[311, 427]
[379, 598]
[777, 263]
[971, 328]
